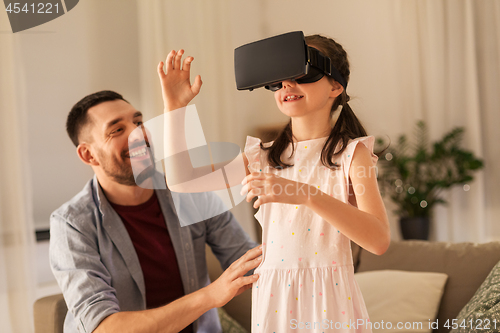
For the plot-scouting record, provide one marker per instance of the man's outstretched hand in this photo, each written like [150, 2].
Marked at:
[232, 282]
[178, 314]
[176, 87]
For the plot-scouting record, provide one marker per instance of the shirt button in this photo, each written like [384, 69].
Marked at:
[187, 247]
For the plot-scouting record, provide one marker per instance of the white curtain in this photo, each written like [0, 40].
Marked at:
[449, 52]
[17, 238]
[440, 60]
[204, 29]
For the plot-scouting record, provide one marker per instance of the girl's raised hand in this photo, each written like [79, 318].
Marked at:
[272, 188]
[176, 87]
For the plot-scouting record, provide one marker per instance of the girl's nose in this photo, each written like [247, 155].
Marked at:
[288, 83]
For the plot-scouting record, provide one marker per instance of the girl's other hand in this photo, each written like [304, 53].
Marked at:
[272, 188]
[176, 87]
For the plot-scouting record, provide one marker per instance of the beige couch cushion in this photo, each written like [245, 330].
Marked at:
[466, 264]
[401, 301]
[49, 313]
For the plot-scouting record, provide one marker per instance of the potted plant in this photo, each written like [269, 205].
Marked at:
[415, 174]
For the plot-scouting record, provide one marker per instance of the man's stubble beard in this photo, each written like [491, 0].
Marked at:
[121, 172]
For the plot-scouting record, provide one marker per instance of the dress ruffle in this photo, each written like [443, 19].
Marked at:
[252, 152]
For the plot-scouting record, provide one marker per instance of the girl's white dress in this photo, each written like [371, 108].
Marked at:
[306, 278]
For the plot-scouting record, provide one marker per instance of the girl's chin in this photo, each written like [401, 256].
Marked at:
[299, 112]
[292, 112]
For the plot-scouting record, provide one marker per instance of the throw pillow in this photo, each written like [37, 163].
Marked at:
[401, 301]
[482, 312]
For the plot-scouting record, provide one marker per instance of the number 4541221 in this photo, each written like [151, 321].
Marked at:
[479, 324]
[40, 8]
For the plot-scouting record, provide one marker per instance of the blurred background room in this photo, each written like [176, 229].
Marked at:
[436, 61]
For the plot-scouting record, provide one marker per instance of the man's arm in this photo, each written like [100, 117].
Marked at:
[226, 238]
[80, 272]
[175, 316]
[86, 285]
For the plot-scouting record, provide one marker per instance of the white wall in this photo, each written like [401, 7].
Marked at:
[92, 47]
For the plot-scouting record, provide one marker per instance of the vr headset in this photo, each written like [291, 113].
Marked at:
[268, 62]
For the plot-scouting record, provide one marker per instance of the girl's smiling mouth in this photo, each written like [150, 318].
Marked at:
[291, 98]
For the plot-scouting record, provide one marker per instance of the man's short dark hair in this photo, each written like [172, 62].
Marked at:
[77, 117]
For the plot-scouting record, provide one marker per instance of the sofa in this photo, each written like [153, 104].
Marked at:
[466, 264]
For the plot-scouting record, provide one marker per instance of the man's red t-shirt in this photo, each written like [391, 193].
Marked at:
[149, 234]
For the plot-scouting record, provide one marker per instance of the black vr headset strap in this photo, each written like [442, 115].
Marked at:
[318, 60]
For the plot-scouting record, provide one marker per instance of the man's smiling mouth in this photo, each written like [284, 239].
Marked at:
[138, 153]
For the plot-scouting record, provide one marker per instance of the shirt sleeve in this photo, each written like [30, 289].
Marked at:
[227, 239]
[84, 280]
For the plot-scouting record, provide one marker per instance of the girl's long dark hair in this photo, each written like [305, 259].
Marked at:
[347, 126]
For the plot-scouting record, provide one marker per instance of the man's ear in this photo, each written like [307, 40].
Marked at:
[85, 153]
[337, 89]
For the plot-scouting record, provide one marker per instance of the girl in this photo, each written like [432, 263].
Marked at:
[317, 190]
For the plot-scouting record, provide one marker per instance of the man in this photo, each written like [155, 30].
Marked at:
[117, 249]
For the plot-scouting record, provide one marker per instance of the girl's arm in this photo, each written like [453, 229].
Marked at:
[181, 176]
[367, 225]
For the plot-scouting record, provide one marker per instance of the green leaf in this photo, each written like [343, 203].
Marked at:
[425, 167]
